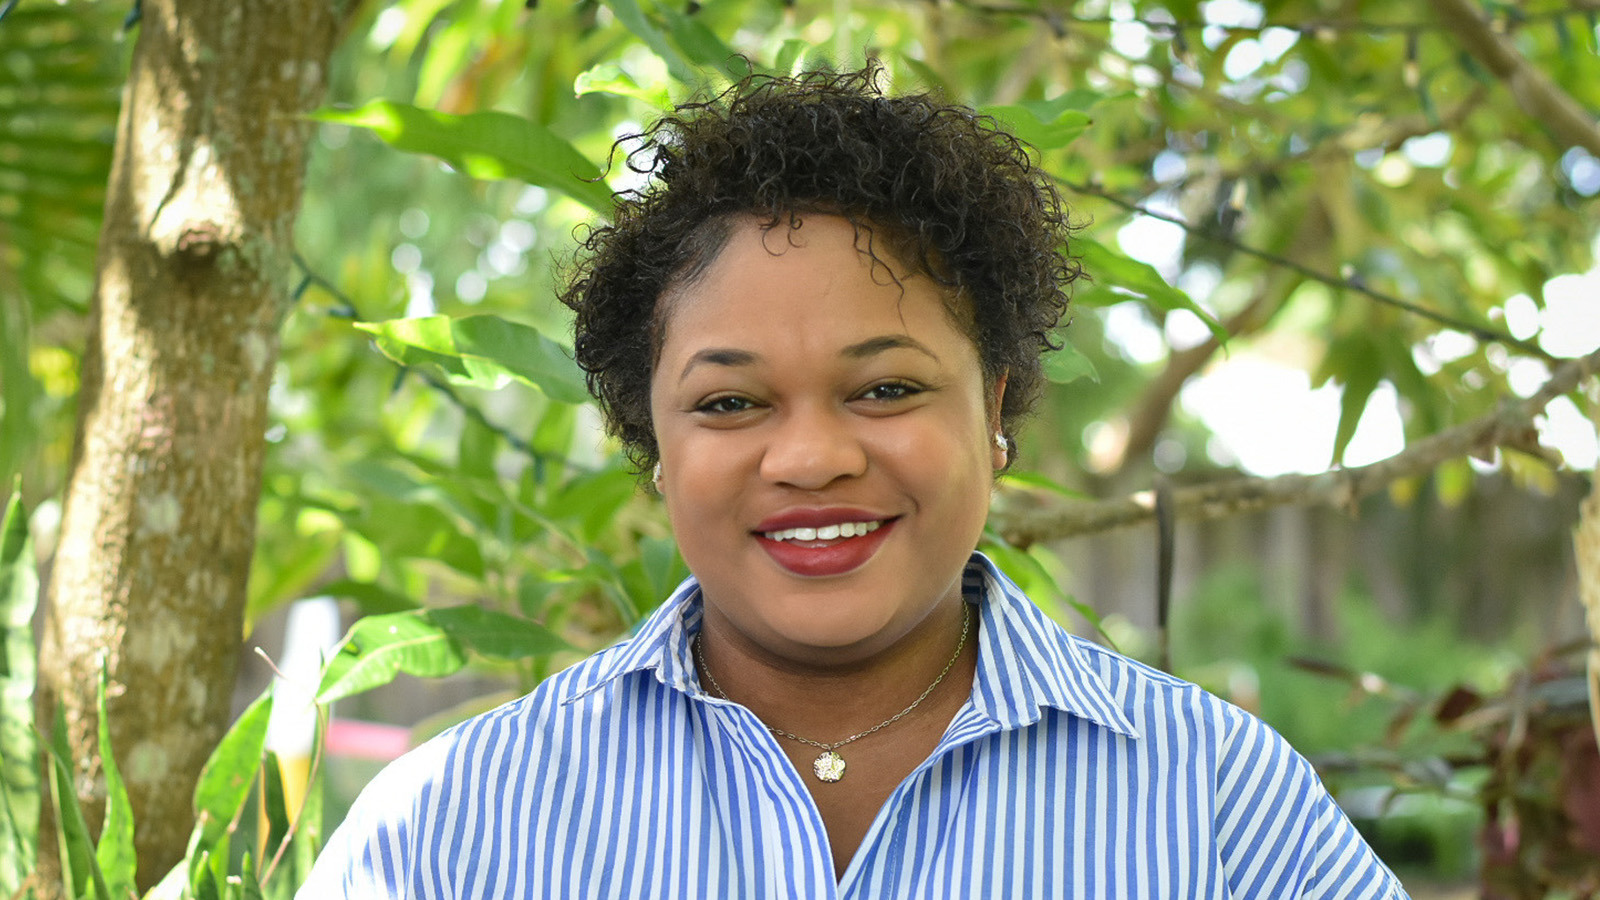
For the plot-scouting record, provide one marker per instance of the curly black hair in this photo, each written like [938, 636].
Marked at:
[957, 197]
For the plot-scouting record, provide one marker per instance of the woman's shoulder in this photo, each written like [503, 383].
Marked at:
[1156, 700]
[557, 696]
[527, 727]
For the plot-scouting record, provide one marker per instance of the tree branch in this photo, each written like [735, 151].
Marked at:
[1154, 407]
[1058, 20]
[1481, 332]
[1507, 426]
[1538, 96]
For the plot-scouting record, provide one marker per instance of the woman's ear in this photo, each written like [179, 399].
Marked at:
[1002, 442]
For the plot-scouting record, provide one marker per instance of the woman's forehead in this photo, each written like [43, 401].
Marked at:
[745, 259]
[806, 292]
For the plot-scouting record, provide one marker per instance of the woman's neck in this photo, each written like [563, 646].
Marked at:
[828, 700]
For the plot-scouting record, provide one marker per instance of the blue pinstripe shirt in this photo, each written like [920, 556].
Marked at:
[1070, 772]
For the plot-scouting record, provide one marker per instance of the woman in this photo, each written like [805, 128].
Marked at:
[819, 326]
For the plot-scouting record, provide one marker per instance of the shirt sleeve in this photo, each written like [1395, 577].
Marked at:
[1280, 834]
[368, 857]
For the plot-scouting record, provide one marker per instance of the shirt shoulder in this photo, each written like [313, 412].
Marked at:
[1155, 701]
[1279, 831]
[373, 854]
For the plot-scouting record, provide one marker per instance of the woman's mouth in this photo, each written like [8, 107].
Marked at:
[833, 549]
[826, 532]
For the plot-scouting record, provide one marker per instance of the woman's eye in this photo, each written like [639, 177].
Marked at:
[724, 405]
[890, 390]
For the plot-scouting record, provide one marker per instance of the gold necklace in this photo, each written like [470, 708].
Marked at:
[829, 766]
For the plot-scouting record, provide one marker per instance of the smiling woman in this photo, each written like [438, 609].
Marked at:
[819, 325]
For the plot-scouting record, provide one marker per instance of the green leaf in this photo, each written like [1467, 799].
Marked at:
[554, 434]
[603, 573]
[927, 78]
[19, 774]
[380, 647]
[654, 574]
[485, 145]
[702, 45]
[1124, 274]
[249, 883]
[274, 804]
[373, 598]
[226, 777]
[609, 78]
[1358, 364]
[1035, 580]
[476, 451]
[591, 501]
[634, 19]
[482, 351]
[1046, 124]
[659, 559]
[18, 391]
[1042, 482]
[79, 870]
[1067, 365]
[203, 878]
[496, 634]
[115, 852]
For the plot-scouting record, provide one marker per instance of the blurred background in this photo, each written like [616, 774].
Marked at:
[1319, 234]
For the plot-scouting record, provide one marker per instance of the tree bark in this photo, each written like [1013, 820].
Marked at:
[192, 280]
[1541, 98]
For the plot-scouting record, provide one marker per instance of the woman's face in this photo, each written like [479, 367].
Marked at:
[826, 442]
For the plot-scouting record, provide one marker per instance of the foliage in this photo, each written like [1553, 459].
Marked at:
[1363, 195]
[216, 865]
[60, 74]
[1437, 747]
[19, 778]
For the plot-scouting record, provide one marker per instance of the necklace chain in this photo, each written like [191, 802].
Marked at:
[966, 624]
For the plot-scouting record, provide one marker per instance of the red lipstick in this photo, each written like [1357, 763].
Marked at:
[821, 558]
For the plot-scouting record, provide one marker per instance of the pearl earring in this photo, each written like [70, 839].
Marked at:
[1000, 441]
[656, 477]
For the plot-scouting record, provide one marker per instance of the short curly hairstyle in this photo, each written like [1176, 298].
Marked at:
[957, 197]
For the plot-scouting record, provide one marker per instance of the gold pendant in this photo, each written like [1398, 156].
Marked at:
[829, 767]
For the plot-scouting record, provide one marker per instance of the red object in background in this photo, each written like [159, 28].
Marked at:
[366, 740]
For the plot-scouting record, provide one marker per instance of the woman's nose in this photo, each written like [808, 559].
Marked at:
[810, 449]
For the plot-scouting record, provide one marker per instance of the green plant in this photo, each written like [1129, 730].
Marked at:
[227, 858]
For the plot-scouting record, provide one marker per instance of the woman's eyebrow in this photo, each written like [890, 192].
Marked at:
[729, 356]
[874, 346]
[717, 356]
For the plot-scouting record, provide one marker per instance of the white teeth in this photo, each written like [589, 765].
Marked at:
[825, 533]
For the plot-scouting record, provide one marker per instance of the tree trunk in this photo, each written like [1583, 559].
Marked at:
[192, 281]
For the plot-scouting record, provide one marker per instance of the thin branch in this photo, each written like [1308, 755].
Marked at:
[1508, 426]
[346, 309]
[1058, 20]
[1481, 332]
[477, 415]
[1367, 132]
[1542, 99]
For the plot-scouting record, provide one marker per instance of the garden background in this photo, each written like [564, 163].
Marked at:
[280, 360]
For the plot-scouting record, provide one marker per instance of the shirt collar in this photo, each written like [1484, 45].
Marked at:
[1026, 662]
[662, 644]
